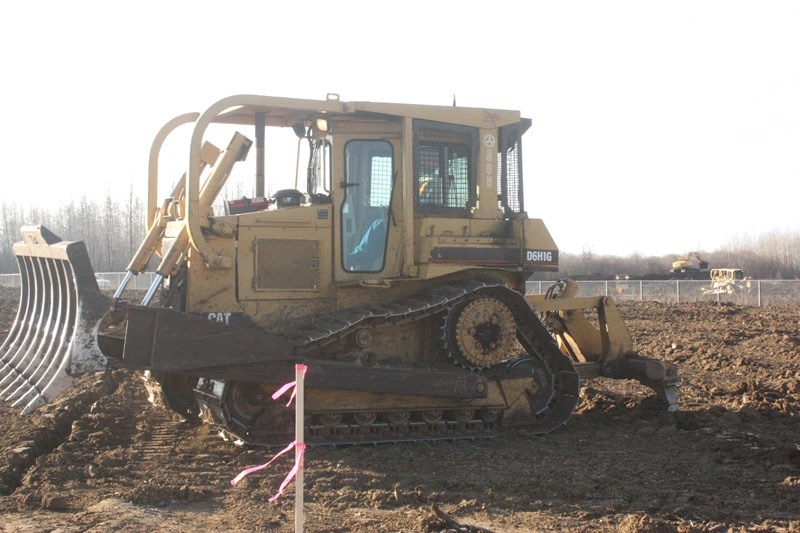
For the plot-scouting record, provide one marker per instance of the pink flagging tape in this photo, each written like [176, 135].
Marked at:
[278, 393]
[301, 450]
[291, 385]
[252, 469]
[298, 445]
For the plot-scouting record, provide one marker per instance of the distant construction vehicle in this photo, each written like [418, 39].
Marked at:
[727, 281]
[690, 266]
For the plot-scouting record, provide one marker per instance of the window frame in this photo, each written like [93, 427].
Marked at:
[385, 211]
[443, 136]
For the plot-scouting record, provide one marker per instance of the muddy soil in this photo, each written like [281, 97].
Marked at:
[104, 459]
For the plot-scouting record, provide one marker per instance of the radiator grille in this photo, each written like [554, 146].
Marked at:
[509, 170]
[287, 264]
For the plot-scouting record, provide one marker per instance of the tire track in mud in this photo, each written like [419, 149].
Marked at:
[50, 429]
[114, 439]
[161, 436]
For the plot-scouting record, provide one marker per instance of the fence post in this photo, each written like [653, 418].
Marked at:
[788, 288]
[758, 284]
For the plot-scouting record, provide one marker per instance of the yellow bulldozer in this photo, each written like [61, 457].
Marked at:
[728, 281]
[395, 269]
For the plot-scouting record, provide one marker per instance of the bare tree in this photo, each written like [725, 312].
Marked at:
[10, 215]
[112, 232]
[134, 222]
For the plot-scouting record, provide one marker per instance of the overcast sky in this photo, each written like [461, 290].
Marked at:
[658, 127]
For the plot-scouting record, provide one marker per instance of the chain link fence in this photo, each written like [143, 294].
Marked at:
[754, 292]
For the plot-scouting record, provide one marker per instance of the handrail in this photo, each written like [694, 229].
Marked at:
[152, 167]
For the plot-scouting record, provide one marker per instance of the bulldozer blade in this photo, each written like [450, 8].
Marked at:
[53, 338]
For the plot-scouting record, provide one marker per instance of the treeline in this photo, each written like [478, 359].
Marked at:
[774, 255]
[112, 228]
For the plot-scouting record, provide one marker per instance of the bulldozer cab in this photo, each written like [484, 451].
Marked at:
[388, 192]
[727, 274]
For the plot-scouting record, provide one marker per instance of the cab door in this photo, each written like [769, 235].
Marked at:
[367, 233]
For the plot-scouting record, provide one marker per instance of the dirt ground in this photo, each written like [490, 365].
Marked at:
[104, 459]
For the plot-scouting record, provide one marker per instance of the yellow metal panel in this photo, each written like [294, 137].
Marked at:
[467, 116]
[211, 289]
[487, 174]
[285, 243]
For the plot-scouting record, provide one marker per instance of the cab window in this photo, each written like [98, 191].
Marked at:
[365, 209]
[444, 180]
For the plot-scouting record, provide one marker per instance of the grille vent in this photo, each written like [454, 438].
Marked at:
[283, 264]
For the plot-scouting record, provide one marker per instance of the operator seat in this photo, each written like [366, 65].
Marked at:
[368, 254]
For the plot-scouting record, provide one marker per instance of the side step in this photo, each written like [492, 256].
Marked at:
[53, 337]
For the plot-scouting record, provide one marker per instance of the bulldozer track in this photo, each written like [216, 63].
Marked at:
[342, 428]
[342, 323]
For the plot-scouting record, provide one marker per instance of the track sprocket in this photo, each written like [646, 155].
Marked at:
[480, 333]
